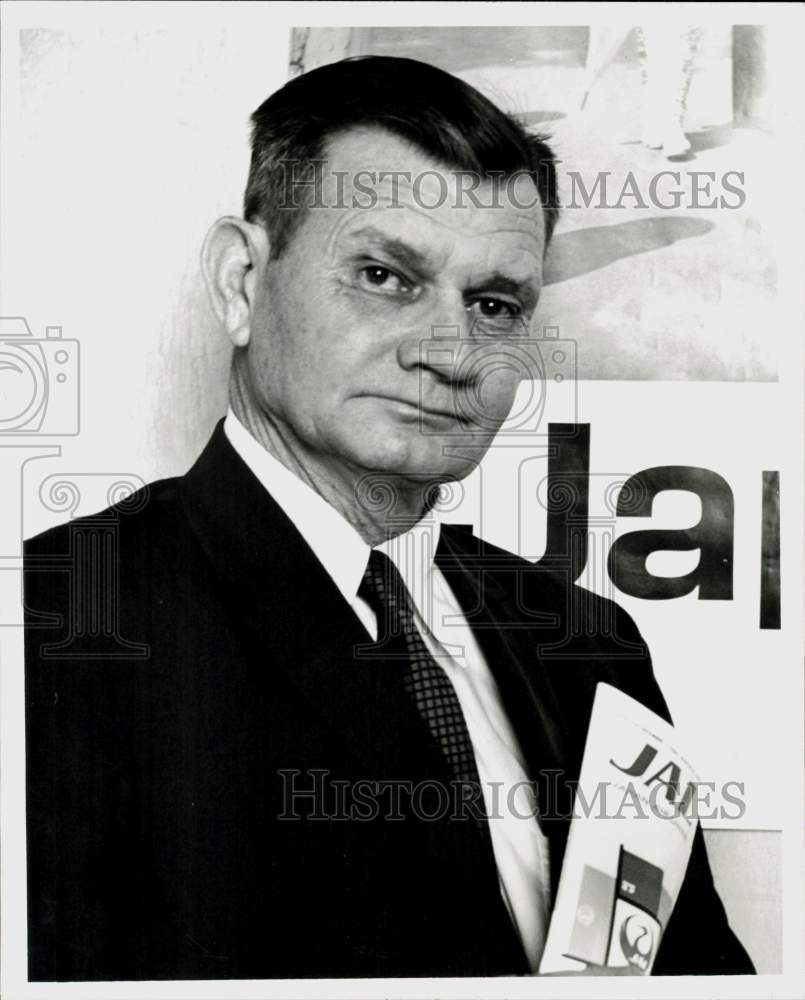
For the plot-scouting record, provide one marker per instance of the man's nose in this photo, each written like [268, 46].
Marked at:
[434, 344]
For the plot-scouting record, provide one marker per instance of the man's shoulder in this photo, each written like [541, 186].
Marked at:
[512, 570]
[102, 592]
[569, 620]
[132, 515]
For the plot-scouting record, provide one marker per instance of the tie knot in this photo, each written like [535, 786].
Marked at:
[385, 592]
[382, 586]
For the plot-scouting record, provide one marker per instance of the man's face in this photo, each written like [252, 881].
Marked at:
[341, 354]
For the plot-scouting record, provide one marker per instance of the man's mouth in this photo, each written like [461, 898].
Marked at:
[421, 410]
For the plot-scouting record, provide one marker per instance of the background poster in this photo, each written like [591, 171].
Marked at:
[673, 297]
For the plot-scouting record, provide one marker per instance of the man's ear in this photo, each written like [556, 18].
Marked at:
[233, 260]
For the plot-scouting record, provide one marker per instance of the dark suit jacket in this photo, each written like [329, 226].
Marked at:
[190, 664]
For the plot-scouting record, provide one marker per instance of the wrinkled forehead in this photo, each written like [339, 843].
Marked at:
[370, 180]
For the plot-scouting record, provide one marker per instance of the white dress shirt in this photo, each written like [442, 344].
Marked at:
[521, 851]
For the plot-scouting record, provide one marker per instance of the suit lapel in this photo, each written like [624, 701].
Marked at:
[296, 614]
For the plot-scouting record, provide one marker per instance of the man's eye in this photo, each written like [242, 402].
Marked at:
[378, 276]
[495, 308]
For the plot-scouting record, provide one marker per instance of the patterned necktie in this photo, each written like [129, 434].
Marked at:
[425, 681]
[435, 698]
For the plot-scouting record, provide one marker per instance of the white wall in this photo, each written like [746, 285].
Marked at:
[747, 868]
[132, 138]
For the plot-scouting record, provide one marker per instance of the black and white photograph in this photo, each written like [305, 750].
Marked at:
[401, 424]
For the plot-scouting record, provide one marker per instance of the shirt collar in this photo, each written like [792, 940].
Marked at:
[333, 540]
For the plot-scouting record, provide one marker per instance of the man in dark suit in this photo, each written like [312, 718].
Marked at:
[253, 691]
